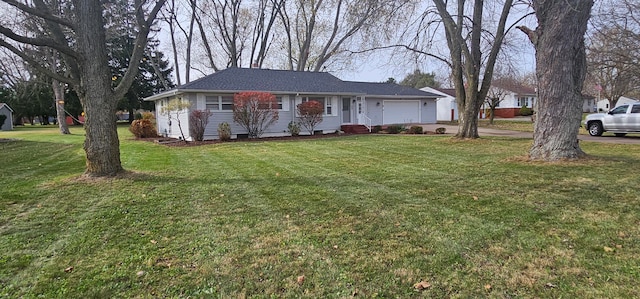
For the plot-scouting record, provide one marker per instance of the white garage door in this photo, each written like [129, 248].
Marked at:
[401, 112]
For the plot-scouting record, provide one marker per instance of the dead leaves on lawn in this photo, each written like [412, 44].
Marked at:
[423, 285]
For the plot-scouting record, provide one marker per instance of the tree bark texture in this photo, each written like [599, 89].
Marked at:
[560, 69]
[101, 145]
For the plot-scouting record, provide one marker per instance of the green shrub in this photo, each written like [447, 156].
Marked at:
[143, 128]
[415, 130]
[440, 130]
[395, 129]
[137, 116]
[376, 129]
[294, 128]
[224, 131]
[525, 111]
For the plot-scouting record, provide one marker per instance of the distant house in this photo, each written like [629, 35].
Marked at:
[514, 97]
[446, 103]
[345, 102]
[8, 113]
[589, 104]
[603, 105]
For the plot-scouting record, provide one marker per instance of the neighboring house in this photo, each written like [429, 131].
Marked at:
[8, 112]
[446, 102]
[515, 96]
[344, 102]
[603, 105]
[589, 104]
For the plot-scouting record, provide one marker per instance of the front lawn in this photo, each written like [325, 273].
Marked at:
[365, 216]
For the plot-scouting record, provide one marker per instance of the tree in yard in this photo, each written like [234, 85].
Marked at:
[174, 109]
[77, 31]
[494, 97]
[470, 71]
[418, 80]
[255, 111]
[561, 69]
[198, 120]
[310, 114]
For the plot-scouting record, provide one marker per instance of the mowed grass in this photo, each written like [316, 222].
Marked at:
[364, 216]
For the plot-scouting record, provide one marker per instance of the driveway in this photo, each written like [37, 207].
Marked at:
[482, 131]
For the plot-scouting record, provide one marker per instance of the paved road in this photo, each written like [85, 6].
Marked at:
[606, 138]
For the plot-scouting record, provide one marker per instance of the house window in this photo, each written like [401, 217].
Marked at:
[279, 101]
[212, 103]
[321, 100]
[328, 108]
[226, 102]
[217, 103]
[523, 101]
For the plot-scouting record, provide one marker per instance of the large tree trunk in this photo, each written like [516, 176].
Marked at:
[101, 144]
[560, 68]
[468, 120]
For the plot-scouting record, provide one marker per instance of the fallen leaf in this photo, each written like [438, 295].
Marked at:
[154, 242]
[300, 279]
[487, 287]
[69, 269]
[335, 246]
[608, 249]
[475, 197]
[423, 285]
[550, 285]
[355, 293]
[618, 246]
[277, 174]
[140, 273]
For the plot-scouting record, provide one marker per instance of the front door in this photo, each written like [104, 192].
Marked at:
[346, 110]
[360, 111]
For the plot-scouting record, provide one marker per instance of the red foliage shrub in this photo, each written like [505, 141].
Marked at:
[255, 111]
[310, 114]
[198, 120]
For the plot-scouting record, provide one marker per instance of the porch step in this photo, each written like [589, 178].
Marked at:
[354, 129]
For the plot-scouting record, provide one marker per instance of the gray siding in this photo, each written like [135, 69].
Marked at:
[373, 110]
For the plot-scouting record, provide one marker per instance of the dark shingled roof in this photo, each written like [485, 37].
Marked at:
[387, 89]
[244, 79]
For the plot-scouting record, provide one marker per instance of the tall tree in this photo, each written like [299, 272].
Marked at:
[613, 57]
[321, 30]
[418, 79]
[471, 78]
[561, 67]
[78, 33]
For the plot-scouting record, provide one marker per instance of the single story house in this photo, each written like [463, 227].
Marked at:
[446, 103]
[345, 102]
[514, 96]
[8, 113]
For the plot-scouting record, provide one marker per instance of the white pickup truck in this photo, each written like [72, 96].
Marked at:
[619, 120]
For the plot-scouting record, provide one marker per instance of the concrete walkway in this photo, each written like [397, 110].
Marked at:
[482, 131]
